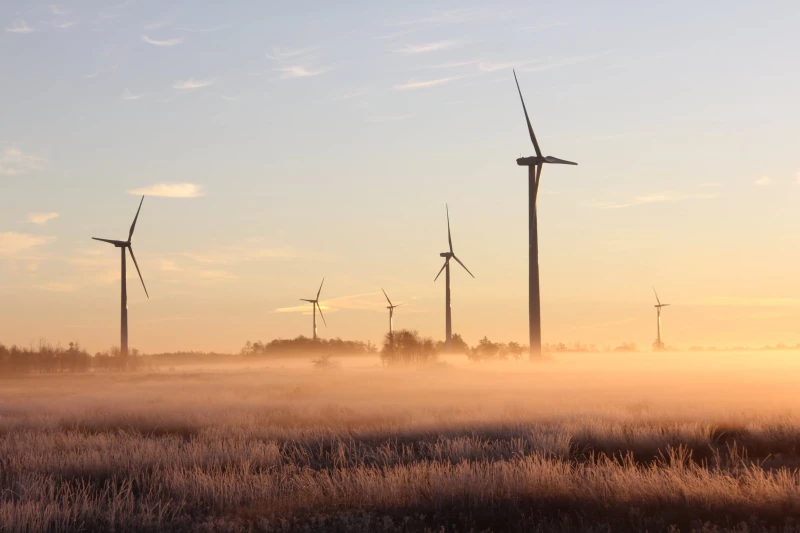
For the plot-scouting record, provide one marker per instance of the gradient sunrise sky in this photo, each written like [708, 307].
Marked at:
[280, 142]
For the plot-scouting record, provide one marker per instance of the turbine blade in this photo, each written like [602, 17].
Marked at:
[309, 301]
[110, 241]
[557, 161]
[387, 297]
[654, 292]
[130, 249]
[440, 272]
[530, 128]
[133, 226]
[463, 265]
[449, 239]
[320, 289]
[539, 168]
[320, 314]
[664, 305]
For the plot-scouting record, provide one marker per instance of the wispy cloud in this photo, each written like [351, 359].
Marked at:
[412, 84]
[425, 48]
[170, 266]
[127, 96]
[651, 199]
[20, 27]
[166, 42]
[451, 16]
[65, 25]
[283, 54]
[13, 161]
[763, 180]
[55, 286]
[216, 275]
[541, 66]
[288, 73]
[170, 190]
[13, 244]
[55, 10]
[304, 309]
[190, 84]
[454, 64]
[368, 301]
[41, 218]
[490, 66]
[229, 98]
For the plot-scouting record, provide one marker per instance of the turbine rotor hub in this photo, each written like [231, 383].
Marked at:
[529, 161]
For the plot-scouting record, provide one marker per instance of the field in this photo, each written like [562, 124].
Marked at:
[585, 442]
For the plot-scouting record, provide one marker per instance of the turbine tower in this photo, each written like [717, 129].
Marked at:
[391, 308]
[123, 245]
[659, 344]
[315, 305]
[534, 164]
[446, 267]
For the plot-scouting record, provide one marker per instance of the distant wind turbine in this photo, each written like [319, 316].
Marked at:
[534, 164]
[658, 345]
[446, 267]
[123, 245]
[391, 307]
[315, 305]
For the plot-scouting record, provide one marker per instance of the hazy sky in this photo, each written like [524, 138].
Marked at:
[280, 142]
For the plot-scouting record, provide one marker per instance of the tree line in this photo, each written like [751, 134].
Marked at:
[408, 347]
[48, 359]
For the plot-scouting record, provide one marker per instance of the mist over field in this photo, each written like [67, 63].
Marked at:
[576, 442]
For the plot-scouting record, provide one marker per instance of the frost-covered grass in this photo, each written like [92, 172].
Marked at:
[560, 446]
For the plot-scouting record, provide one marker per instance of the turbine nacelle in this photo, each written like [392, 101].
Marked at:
[118, 244]
[536, 160]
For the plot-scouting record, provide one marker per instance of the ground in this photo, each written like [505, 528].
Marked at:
[585, 442]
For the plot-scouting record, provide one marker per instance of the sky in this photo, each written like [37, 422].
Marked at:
[278, 143]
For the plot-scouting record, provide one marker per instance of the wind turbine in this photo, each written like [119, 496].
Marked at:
[123, 245]
[391, 308]
[534, 164]
[447, 256]
[658, 345]
[315, 305]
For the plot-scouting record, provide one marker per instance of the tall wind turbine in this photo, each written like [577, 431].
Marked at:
[123, 245]
[658, 345]
[446, 267]
[534, 164]
[315, 305]
[391, 308]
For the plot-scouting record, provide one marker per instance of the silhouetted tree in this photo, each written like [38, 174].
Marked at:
[457, 345]
[307, 346]
[408, 348]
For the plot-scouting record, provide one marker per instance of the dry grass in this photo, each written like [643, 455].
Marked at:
[571, 445]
